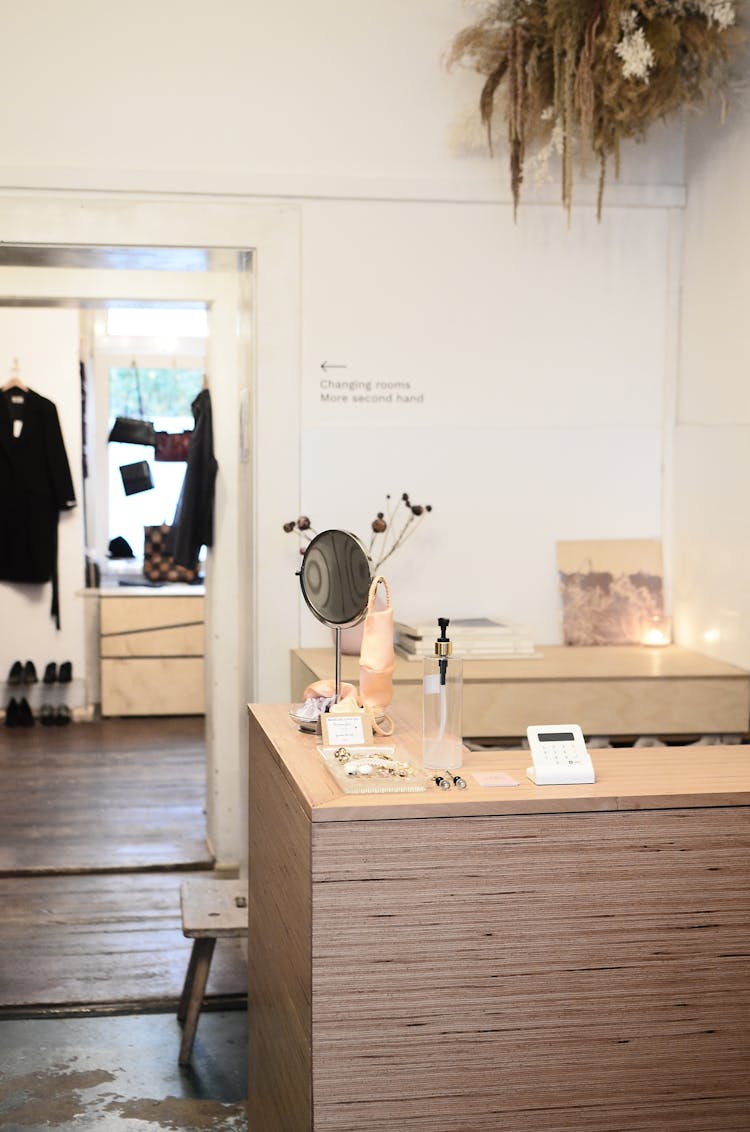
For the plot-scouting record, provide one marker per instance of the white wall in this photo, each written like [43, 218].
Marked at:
[712, 448]
[328, 99]
[541, 361]
[46, 345]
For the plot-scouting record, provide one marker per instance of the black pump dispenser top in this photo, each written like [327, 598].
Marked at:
[443, 647]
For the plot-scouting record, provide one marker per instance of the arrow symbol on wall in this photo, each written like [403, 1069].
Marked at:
[325, 366]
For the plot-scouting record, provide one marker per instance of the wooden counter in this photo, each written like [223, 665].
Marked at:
[621, 691]
[527, 959]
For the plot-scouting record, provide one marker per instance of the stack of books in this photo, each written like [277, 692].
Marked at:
[475, 637]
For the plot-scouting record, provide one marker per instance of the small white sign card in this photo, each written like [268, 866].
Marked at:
[346, 729]
[559, 754]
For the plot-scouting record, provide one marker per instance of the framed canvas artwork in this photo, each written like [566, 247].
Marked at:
[611, 590]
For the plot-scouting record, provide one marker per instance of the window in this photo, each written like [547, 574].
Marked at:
[160, 348]
[163, 395]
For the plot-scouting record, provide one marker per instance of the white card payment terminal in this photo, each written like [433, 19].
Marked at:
[559, 755]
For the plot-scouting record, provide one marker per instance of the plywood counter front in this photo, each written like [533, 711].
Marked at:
[511, 959]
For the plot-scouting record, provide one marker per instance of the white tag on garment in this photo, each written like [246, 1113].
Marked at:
[17, 428]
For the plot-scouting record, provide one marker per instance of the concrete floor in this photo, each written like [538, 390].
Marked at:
[120, 1074]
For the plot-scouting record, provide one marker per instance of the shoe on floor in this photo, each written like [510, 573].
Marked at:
[50, 673]
[29, 673]
[48, 715]
[66, 672]
[25, 715]
[62, 715]
[11, 714]
[15, 676]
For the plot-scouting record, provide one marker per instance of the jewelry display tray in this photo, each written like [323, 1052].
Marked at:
[351, 784]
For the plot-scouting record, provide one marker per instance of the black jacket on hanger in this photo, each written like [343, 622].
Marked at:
[35, 486]
[193, 525]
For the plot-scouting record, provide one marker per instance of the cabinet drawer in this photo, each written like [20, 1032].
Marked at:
[133, 614]
[177, 640]
[134, 627]
[153, 686]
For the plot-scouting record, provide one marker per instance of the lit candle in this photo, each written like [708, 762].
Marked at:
[657, 631]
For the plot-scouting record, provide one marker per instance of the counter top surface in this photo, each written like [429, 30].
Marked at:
[628, 778]
[557, 662]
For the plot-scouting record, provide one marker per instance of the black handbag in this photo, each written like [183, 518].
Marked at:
[134, 430]
[136, 477]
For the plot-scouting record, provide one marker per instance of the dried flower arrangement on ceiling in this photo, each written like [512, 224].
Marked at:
[578, 76]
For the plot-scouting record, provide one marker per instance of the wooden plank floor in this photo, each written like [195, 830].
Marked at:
[114, 794]
[99, 825]
[101, 940]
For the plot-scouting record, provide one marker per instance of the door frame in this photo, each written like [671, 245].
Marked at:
[255, 391]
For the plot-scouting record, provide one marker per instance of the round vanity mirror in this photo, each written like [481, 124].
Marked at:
[335, 578]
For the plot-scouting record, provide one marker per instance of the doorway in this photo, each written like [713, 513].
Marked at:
[46, 286]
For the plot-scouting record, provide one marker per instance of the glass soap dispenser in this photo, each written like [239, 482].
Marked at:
[442, 701]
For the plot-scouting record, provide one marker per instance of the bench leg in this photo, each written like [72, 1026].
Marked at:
[191, 999]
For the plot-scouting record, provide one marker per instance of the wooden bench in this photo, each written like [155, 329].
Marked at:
[211, 909]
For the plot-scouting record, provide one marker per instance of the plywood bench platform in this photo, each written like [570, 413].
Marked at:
[210, 909]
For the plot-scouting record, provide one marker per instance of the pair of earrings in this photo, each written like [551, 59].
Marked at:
[444, 780]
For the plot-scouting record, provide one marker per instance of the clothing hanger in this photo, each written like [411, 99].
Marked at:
[14, 381]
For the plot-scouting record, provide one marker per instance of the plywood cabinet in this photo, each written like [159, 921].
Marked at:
[151, 653]
[625, 691]
[498, 959]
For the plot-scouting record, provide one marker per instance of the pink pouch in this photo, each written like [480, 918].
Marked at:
[376, 659]
[326, 689]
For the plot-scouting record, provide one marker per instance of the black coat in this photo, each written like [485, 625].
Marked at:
[193, 525]
[35, 486]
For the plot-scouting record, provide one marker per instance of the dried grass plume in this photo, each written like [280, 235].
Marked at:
[580, 76]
